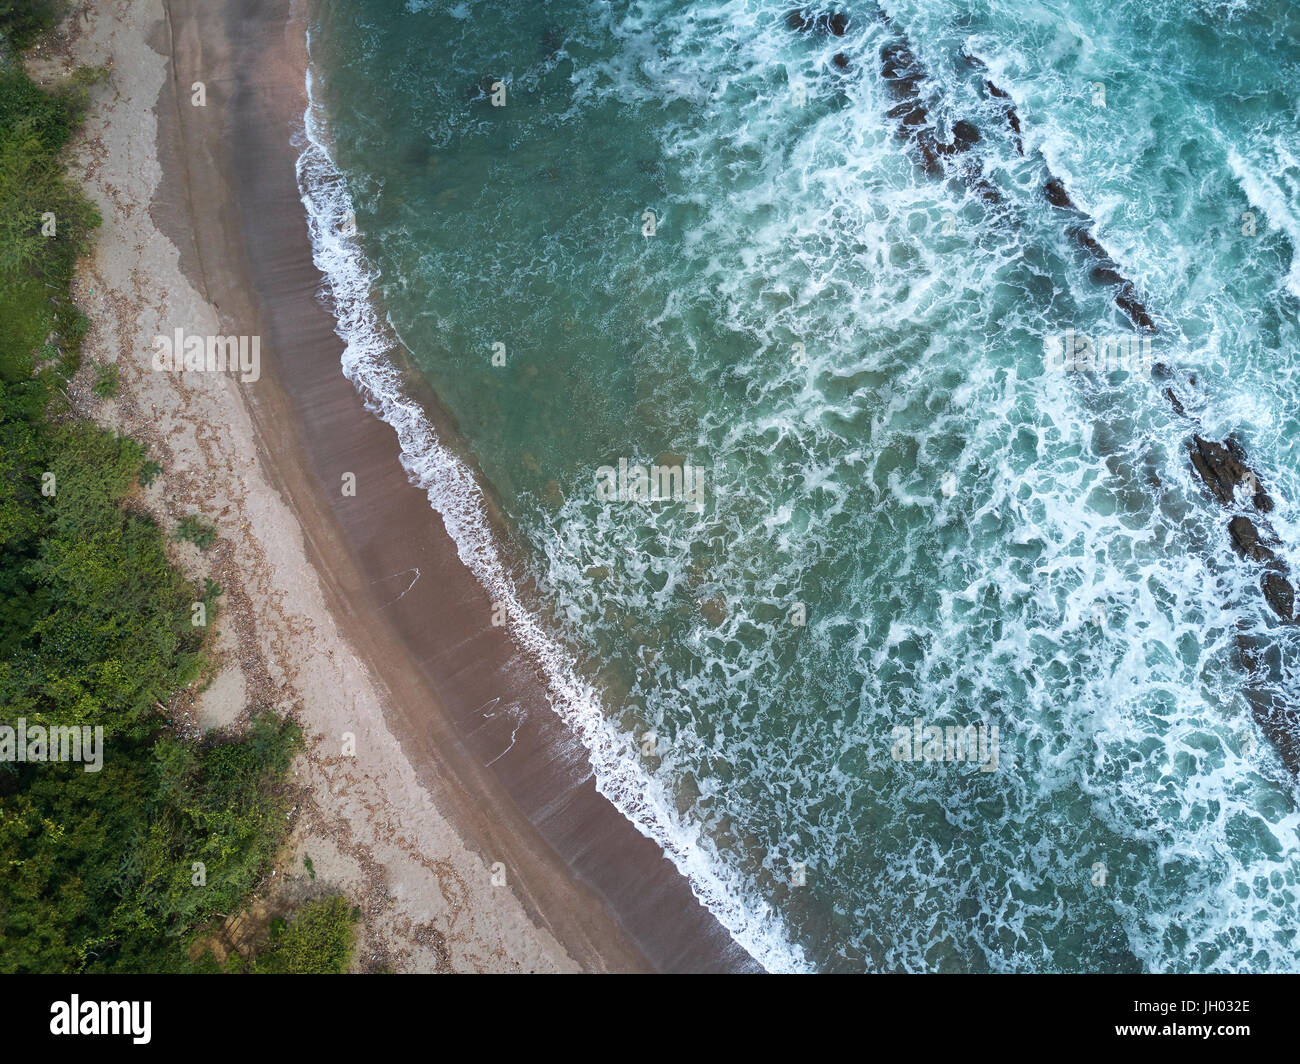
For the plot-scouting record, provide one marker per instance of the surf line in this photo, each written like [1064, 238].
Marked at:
[1221, 466]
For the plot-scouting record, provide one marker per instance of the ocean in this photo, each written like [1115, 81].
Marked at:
[687, 239]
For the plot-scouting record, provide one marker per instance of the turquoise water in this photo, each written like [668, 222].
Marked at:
[907, 516]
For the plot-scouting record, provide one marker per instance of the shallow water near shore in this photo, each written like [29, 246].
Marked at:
[907, 517]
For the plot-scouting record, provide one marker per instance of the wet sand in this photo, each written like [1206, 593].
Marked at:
[469, 709]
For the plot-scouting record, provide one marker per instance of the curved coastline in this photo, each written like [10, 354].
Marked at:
[456, 494]
[468, 700]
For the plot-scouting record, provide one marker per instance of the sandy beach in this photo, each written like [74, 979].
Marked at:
[438, 790]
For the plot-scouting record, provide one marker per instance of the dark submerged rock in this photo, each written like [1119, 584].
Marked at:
[1085, 240]
[837, 23]
[1057, 196]
[897, 61]
[1277, 717]
[1218, 468]
[552, 41]
[902, 73]
[1013, 120]
[1128, 302]
[906, 88]
[987, 191]
[965, 136]
[1279, 594]
[929, 150]
[1247, 541]
[909, 112]
[1222, 466]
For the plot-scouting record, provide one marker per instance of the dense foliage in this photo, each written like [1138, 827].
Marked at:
[22, 20]
[112, 870]
[317, 940]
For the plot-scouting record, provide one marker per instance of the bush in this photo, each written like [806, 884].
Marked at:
[97, 868]
[34, 190]
[198, 530]
[94, 622]
[99, 871]
[318, 940]
[106, 381]
[45, 224]
[21, 21]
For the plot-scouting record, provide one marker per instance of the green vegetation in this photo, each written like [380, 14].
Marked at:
[199, 531]
[317, 940]
[22, 20]
[106, 380]
[94, 623]
[115, 870]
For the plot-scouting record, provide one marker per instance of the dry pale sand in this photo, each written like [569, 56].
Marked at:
[467, 823]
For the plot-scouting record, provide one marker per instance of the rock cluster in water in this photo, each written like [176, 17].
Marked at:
[1221, 466]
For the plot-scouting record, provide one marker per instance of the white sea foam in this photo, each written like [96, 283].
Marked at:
[1264, 194]
[455, 494]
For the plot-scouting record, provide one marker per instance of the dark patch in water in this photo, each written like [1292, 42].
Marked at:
[1057, 196]
[801, 20]
[1222, 467]
[964, 136]
[1013, 120]
[903, 74]
[837, 23]
[552, 41]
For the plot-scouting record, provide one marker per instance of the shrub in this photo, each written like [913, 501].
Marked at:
[317, 940]
[21, 21]
[198, 530]
[106, 380]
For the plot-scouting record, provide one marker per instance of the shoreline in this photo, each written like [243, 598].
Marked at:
[362, 824]
[465, 707]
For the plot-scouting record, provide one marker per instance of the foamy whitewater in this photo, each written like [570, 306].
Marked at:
[690, 234]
